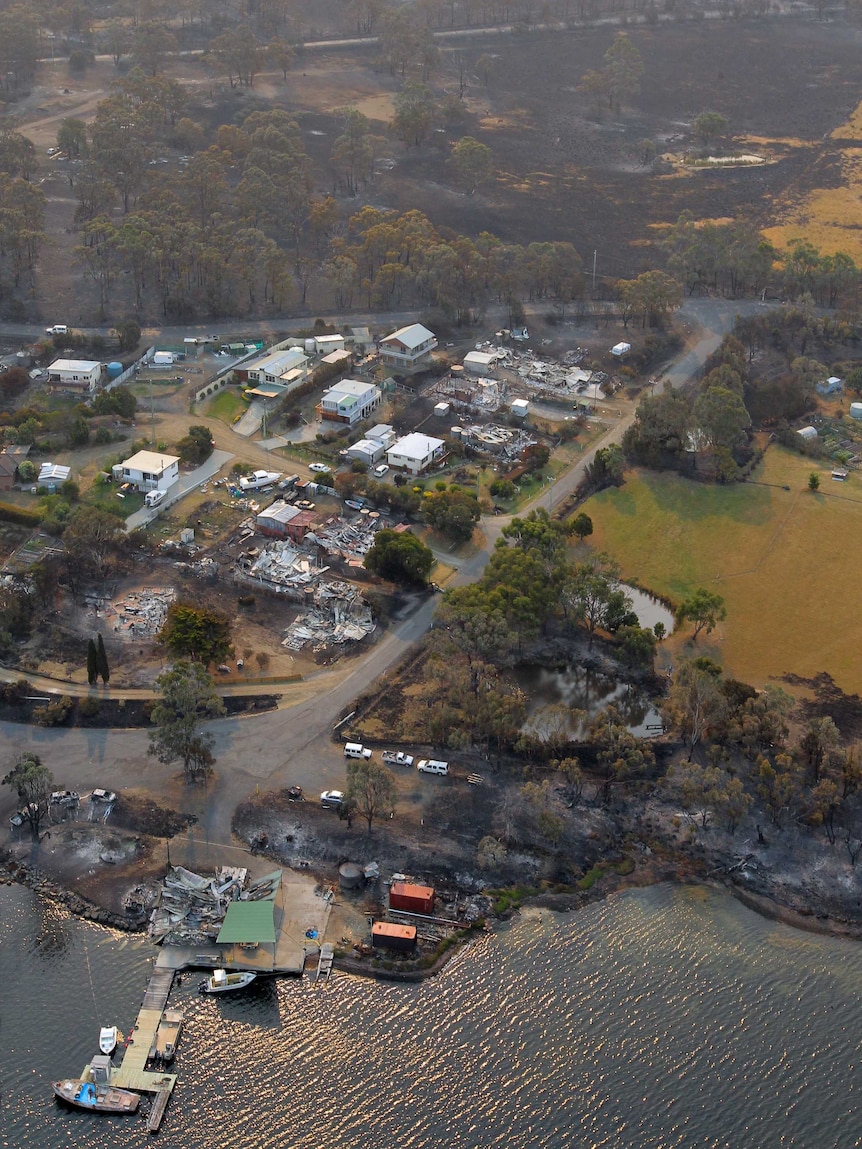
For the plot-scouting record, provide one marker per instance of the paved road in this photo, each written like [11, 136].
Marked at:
[292, 744]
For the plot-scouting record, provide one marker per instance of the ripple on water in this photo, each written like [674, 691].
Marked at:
[667, 1018]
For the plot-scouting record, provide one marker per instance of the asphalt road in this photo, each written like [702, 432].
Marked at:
[292, 745]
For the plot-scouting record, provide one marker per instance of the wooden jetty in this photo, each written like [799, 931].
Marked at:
[324, 963]
[158, 1110]
[132, 1074]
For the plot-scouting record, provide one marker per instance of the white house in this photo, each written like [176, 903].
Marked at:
[75, 374]
[288, 368]
[409, 348]
[349, 401]
[149, 471]
[323, 344]
[383, 432]
[415, 452]
[367, 451]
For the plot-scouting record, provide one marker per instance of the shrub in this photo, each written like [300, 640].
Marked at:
[89, 707]
[14, 693]
[55, 713]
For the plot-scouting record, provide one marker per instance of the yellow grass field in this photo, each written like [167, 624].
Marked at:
[785, 562]
[830, 218]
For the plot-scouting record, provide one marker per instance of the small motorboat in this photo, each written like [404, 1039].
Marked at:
[220, 981]
[108, 1037]
[164, 1046]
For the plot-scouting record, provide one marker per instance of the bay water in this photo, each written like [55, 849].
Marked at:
[665, 1017]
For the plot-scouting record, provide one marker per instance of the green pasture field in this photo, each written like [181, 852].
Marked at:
[784, 561]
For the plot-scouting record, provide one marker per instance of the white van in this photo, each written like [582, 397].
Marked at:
[57, 329]
[429, 766]
[153, 498]
[356, 750]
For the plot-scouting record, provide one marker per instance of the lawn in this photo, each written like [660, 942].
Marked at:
[227, 405]
[106, 498]
[776, 556]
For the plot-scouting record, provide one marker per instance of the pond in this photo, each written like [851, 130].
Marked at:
[649, 610]
[587, 690]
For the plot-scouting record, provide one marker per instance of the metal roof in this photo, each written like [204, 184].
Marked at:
[150, 461]
[247, 923]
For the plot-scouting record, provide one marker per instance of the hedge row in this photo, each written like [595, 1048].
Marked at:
[23, 515]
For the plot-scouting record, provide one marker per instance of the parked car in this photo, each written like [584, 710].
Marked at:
[65, 798]
[319, 468]
[381, 470]
[103, 796]
[294, 794]
[57, 329]
[397, 758]
[430, 766]
[18, 819]
[331, 799]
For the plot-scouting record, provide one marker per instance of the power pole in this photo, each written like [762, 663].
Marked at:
[595, 258]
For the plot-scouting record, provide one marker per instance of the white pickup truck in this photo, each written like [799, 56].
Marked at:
[397, 758]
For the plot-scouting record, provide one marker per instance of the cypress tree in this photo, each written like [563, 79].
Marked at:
[92, 663]
[102, 662]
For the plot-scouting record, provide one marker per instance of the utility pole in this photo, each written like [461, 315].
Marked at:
[595, 259]
[152, 414]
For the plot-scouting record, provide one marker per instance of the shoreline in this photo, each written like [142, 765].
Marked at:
[677, 871]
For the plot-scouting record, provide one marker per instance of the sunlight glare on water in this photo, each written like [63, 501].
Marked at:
[668, 1017]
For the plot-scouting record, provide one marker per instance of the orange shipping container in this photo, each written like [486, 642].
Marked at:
[413, 899]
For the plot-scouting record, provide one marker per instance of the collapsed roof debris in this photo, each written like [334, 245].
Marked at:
[335, 611]
[141, 613]
[191, 908]
[339, 614]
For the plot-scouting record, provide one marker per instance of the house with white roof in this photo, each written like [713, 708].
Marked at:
[409, 348]
[374, 445]
[286, 368]
[415, 452]
[367, 451]
[149, 471]
[75, 374]
[349, 401]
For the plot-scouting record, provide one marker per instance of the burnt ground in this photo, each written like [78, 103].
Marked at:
[564, 174]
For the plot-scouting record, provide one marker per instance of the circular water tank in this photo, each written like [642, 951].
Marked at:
[115, 370]
[856, 410]
[457, 369]
[456, 432]
[310, 345]
[350, 876]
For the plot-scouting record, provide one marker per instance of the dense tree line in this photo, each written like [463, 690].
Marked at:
[737, 259]
[737, 392]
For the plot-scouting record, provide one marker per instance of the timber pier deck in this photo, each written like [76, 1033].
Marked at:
[132, 1074]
